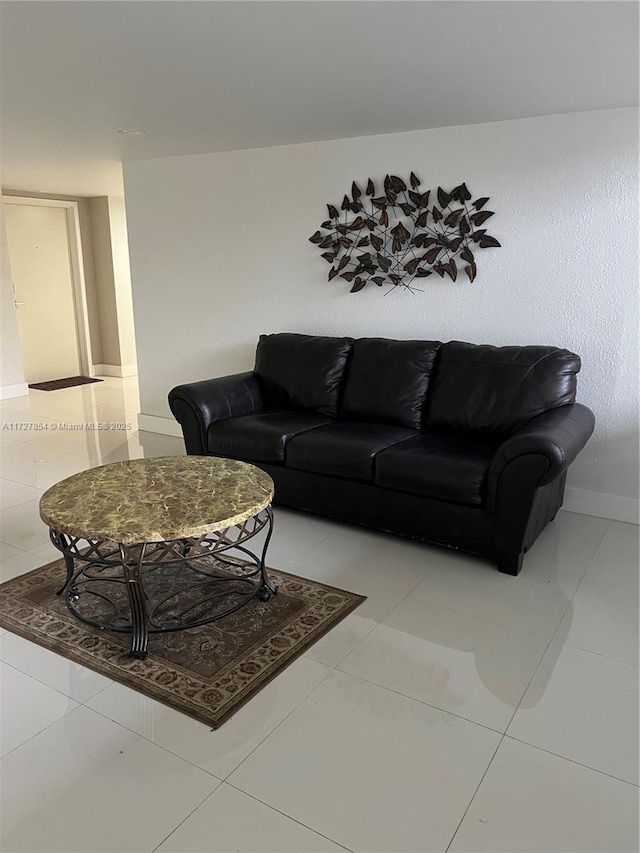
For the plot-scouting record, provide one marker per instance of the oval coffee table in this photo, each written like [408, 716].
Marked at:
[156, 545]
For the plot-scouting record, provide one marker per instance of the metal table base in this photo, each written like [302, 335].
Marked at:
[157, 587]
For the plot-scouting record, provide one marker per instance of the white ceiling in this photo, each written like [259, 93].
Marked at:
[215, 76]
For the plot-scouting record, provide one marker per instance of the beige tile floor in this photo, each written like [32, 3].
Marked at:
[457, 709]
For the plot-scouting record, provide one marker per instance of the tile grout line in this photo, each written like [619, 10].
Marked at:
[21, 503]
[67, 454]
[97, 693]
[334, 667]
[33, 677]
[602, 655]
[504, 734]
[284, 814]
[420, 701]
[491, 621]
[473, 616]
[30, 485]
[304, 699]
[557, 628]
[175, 828]
[257, 800]
[145, 738]
[593, 556]
[573, 761]
[19, 550]
[473, 796]
[368, 634]
[535, 671]
[46, 728]
[177, 755]
[548, 646]
[24, 550]
[148, 740]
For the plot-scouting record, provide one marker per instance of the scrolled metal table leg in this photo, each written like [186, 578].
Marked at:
[62, 543]
[132, 567]
[268, 587]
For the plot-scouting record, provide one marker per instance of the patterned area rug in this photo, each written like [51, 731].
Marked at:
[207, 672]
[57, 384]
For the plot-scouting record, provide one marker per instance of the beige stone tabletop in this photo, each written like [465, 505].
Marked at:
[156, 500]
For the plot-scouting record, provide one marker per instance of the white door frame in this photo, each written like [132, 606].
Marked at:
[83, 333]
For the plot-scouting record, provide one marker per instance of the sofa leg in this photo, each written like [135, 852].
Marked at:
[510, 564]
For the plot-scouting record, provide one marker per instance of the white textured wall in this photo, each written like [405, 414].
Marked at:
[219, 254]
[122, 283]
[113, 283]
[105, 290]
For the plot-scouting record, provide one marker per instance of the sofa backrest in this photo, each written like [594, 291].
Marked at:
[302, 371]
[387, 381]
[495, 390]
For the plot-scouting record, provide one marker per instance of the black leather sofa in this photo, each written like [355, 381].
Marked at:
[457, 444]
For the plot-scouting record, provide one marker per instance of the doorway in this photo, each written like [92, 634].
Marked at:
[46, 269]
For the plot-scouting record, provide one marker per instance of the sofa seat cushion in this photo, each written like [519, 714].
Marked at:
[493, 391]
[445, 467]
[263, 437]
[343, 448]
[387, 381]
[302, 371]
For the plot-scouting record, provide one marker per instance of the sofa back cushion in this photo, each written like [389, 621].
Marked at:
[388, 380]
[495, 390]
[302, 371]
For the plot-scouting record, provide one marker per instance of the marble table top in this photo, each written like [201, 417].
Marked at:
[156, 500]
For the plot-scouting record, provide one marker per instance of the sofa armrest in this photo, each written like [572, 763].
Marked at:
[557, 436]
[197, 405]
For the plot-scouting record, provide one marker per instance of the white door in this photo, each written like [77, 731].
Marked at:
[40, 257]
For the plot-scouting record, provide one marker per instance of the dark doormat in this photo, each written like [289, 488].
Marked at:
[207, 672]
[57, 384]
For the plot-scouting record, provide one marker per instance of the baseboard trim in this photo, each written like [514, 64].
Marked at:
[9, 391]
[615, 507]
[119, 370]
[163, 426]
